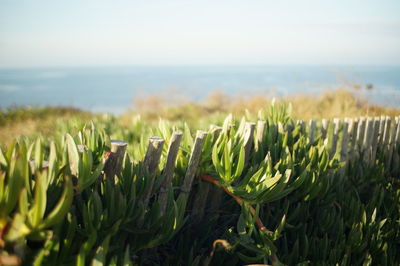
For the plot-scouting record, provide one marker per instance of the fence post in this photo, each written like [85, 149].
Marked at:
[344, 145]
[32, 166]
[381, 129]
[396, 159]
[360, 136]
[386, 137]
[324, 128]
[336, 123]
[375, 139]
[150, 165]
[397, 139]
[260, 134]
[391, 143]
[193, 162]
[248, 144]
[353, 136]
[301, 124]
[168, 171]
[311, 131]
[200, 200]
[215, 131]
[386, 131]
[114, 161]
[369, 130]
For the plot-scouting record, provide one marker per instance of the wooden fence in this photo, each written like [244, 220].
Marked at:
[348, 140]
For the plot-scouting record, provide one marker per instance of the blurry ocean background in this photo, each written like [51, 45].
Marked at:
[113, 89]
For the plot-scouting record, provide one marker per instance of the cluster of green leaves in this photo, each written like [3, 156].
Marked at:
[284, 166]
[58, 206]
[283, 199]
[319, 213]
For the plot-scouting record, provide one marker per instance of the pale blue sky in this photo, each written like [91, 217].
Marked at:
[35, 33]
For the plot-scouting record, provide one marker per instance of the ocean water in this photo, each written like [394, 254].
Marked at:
[113, 89]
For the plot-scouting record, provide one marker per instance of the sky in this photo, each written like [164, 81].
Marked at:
[44, 33]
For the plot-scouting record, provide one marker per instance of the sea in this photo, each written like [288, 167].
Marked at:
[114, 89]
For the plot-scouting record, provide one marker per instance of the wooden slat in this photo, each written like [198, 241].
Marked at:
[311, 131]
[32, 166]
[168, 171]
[386, 136]
[202, 195]
[150, 165]
[113, 164]
[289, 127]
[360, 135]
[369, 131]
[215, 130]
[382, 122]
[248, 141]
[353, 136]
[396, 158]
[386, 131]
[375, 139]
[335, 136]
[193, 162]
[345, 140]
[324, 128]
[397, 138]
[302, 125]
[391, 144]
[260, 134]
[344, 145]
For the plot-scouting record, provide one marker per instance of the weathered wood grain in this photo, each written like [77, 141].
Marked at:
[168, 171]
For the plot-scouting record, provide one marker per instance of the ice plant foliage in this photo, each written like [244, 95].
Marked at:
[266, 193]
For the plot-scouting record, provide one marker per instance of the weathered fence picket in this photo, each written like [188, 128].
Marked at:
[150, 166]
[344, 145]
[324, 128]
[260, 134]
[113, 164]
[151, 161]
[248, 141]
[369, 131]
[301, 124]
[360, 135]
[386, 132]
[311, 131]
[391, 143]
[168, 171]
[396, 157]
[335, 137]
[353, 127]
[375, 139]
[202, 193]
[193, 162]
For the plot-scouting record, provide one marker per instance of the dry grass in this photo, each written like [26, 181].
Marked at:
[16, 122]
[15, 130]
[338, 103]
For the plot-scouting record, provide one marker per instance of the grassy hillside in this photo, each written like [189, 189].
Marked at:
[32, 121]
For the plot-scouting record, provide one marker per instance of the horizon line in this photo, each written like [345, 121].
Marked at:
[204, 65]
